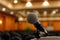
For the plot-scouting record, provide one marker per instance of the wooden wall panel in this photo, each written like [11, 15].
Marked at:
[10, 24]
[56, 25]
[3, 23]
[23, 25]
[44, 23]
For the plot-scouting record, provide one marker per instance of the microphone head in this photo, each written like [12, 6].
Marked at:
[32, 17]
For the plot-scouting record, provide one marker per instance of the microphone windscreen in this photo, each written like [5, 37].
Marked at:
[32, 18]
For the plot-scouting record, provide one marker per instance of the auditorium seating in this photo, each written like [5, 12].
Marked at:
[21, 35]
[16, 35]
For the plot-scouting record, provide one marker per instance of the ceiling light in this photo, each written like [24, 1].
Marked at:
[15, 1]
[45, 3]
[53, 12]
[45, 13]
[28, 4]
[3, 9]
[11, 12]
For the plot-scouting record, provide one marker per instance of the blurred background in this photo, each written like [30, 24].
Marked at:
[13, 15]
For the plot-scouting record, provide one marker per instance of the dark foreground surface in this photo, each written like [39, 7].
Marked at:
[50, 38]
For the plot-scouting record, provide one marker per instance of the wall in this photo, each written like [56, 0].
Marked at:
[8, 23]
[55, 23]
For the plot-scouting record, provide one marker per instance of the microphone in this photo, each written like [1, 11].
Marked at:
[32, 18]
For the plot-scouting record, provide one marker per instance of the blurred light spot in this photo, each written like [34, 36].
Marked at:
[15, 1]
[28, 4]
[53, 12]
[45, 3]
[0, 21]
[3, 9]
[11, 12]
[45, 13]
[20, 19]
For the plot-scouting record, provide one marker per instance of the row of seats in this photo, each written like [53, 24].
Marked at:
[17, 35]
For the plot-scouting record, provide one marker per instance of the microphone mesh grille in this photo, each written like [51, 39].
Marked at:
[32, 18]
